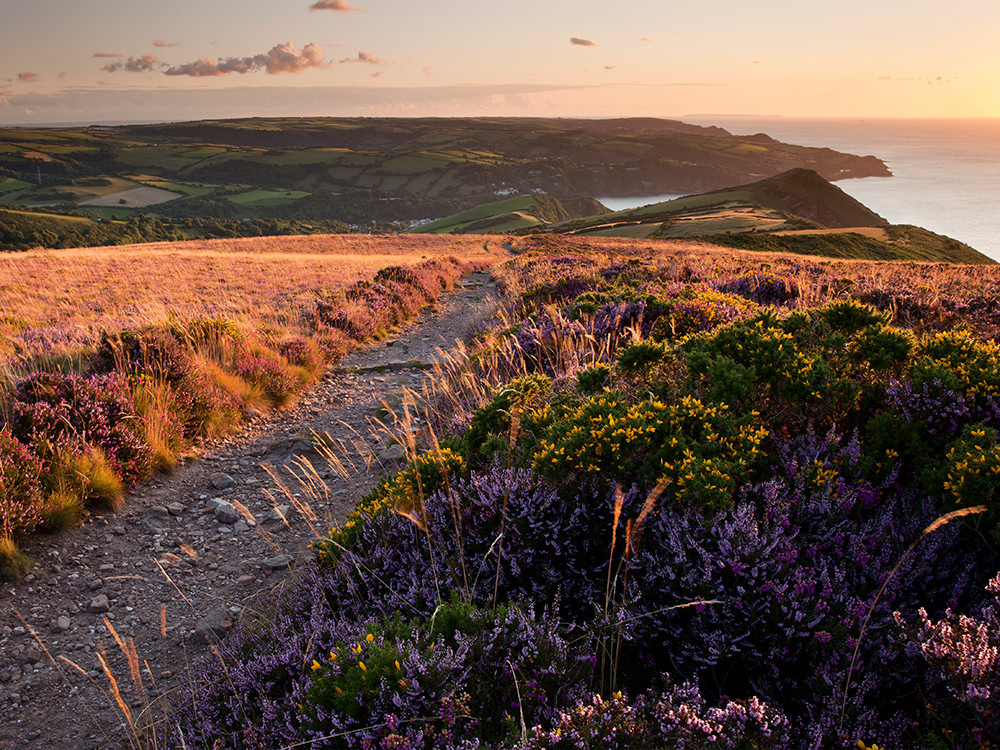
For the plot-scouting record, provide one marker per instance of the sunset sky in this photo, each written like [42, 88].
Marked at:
[112, 60]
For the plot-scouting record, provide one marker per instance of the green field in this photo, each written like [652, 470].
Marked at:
[187, 189]
[267, 197]
[365, 170]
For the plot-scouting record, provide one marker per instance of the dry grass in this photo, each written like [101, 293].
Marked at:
[262, 282]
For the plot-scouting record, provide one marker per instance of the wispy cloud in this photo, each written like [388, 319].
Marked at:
[282, 58]
[107, 54]
[933, 81]
[161, 43]
[428, 70]
[364, 57]
[579, 42]
[341, 6]
[645, 39]
[145, 64]
[27, 77]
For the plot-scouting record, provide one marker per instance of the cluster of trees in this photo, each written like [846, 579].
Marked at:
[22, 230]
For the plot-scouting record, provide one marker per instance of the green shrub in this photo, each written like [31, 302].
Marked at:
[593, 379]
[403, 493]
[702, 449]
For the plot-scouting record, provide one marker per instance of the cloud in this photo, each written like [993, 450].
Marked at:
[161, 43]
[107, 54]
[582, 42]
[428, 70]
[27, 77]
[282, 58]
[611, 67]
[341, 6]
[645, 39]
[364, 57]
[144, 64]
[935, 81]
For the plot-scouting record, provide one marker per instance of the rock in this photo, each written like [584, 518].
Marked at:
[278, 562]
[31, 655]
[156, 518]
[280, 513]
[222, 481]
[394, 452]
[99, 604]
[175, 509]
[213, 625]
[226, 513]
[240, 526]
[95, 584]
[303, 446]
[245, 579]
[60, 624]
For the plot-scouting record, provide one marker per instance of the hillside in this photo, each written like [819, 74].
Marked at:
[797, 211]
[512, 215]
[359, 170]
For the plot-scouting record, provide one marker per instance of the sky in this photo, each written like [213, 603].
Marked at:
[69, 61]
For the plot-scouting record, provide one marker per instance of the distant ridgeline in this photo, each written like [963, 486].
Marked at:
[797, 211]
[310, 173]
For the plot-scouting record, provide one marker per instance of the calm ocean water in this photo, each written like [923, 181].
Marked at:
[946, 173]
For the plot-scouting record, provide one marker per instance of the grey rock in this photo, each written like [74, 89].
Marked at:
[95, 584]
[31, 655]
[222, 481]
[303, 446]
[394, 452]
[60, 624]
[280, 513]
[226, 513]
[240, 526]
[278, 562]
[175, 509]
[156, 518]
[99, 604]
[212, 626]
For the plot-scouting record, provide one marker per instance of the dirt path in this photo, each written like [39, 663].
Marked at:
[214, 561]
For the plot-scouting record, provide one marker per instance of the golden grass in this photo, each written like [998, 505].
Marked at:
[260, 281]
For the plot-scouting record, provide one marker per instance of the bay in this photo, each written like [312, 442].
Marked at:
[946, 172]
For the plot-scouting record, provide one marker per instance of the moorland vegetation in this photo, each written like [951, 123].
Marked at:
[669, 496]
[111, 369]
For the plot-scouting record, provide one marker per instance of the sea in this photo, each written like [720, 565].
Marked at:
[946, 172]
